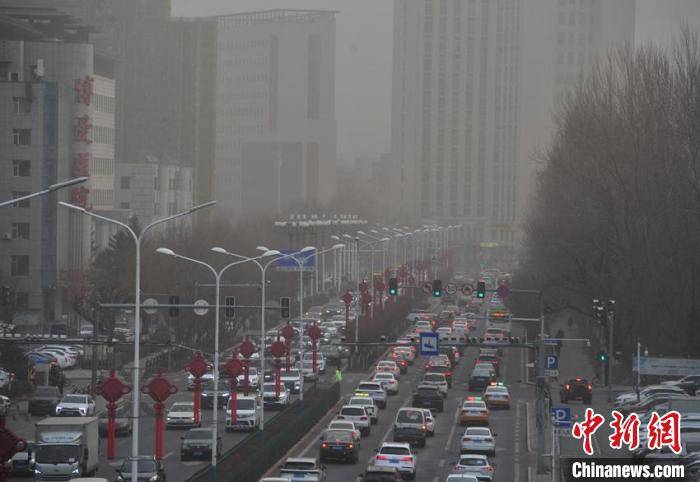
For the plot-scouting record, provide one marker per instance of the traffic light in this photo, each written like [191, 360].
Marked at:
[284, 307]
[602, 356]
[230, 307]
[481, 289]
[174, 310]
[393, 286]
[437, 288]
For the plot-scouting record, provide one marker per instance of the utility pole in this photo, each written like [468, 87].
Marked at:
[610, 315]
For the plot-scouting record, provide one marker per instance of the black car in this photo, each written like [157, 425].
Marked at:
[208, 398]
[576, 389]
[197, 442]
[428, 396]
[44, 400]
[338, 445]
[479, 380]
[148, 468]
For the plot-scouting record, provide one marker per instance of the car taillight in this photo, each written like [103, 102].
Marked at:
[567, 386]
[382, 457]
[324, 445]
[448, 374]
[488, 439]
[484, 412]
[350, 446]
[466, 439]
[408, 458]
[489, 468]
[590, 387]
[424, 428]
[340, 417]
[363, 418]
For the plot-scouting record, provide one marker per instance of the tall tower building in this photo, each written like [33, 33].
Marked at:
[455, 109]
[275, 111]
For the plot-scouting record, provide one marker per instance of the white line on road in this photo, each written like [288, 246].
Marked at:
[442, 463]
[167, 455]
[435, 479]
[454, 427]
[516, 448]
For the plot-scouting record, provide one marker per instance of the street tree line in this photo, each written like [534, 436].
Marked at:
[616, 213]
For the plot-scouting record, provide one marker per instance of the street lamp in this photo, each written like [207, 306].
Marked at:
[138, 238]
[217, 279]
[51, 188]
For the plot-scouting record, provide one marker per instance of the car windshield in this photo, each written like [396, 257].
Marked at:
[368, 386]
[481, 374]
[74, 399]
[472, 405]
[353, 411]
[341, 425]
[434, 377]
[299, 466]
[469, 462]
[427, 390]
[291, 373]
[395, 451]
[360, 401]
[182, 407]
[48, 454]
[144, 466]
[270, 387]
[439, 368]
[46, 392]
[379, 477]
[245, 404]
[477, 431]
[199, 434]
[497, 390]
[338, 436]
[409, 416]
[384, 376]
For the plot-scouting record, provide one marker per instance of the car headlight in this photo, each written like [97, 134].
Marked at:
[37, 470]
[76, 471]
[82, 411]
[153, 479]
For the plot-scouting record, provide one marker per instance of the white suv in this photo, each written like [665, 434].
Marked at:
[76, 406]
[358, 415]
[399, 455]
[249, 413]
[436, 380]
[320, 360]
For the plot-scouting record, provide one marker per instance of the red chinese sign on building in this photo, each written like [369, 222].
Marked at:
[83, 90]
[81, 164]
[79, 196]
[82, 129]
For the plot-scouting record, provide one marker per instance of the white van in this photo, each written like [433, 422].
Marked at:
[249, 413]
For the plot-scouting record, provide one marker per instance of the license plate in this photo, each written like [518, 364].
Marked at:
[338, 449]
[198, 452]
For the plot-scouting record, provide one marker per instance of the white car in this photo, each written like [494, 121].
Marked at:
[405, 352]
[399, 455]
[388, 382]
[429, 421]
[204, 382]
[476, 464]
[375, 390]
[253, 379]
[631, 397]
[358, 415]
[270, 398]
[444, 332]
[478, 440]
[423, 325]
[364, 400]
[461, 478]
[181, 414]
[76, 406]
[436, 380]
[320, 360]
[389, 366]
[249, 413]
[345, 425]
[62, 359]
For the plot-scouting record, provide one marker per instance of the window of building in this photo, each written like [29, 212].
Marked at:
[21, 105]
[156, 184]
[21, 168]
[19, 265]
[21, 204]
[20, 230]
[22, 300]
[124, 205]
[125, 182]
[21, 137]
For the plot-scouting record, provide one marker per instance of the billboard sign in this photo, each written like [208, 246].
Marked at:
[289, 263]
[666, 366]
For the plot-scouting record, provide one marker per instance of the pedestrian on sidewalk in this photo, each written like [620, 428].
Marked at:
[338, 375]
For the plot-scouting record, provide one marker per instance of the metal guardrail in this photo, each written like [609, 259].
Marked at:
[253, 456]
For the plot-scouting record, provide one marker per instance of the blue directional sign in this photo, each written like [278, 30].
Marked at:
[551, 341]
[551, 362]
[561, 416]
[429, 343]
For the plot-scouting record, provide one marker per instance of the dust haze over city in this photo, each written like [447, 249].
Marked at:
[349, 240]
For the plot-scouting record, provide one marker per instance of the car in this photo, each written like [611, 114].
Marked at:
[292, 379]
[58, 358]
[423, 325]
[461, 478]
[437, 380]
[253, 379]
[485, 366]
[474, 412]
[358, 415]
[122, 421]
[440, 359]
[271, 399]
[198, 442]
[476, 464]
[181, 414]
[406, 353]
[443, 370]
[206, 381]
[303, 469]
[364, 400]
[493, 359]
[689, 383]
[249, 413]
[348, 426]
[388, 382]
[76, 406]
[375, 390]
[451, 352]
[320, 361]
[375, 473]
[428, 396]
[149, 468]
[410, 426]
[633, 397]
[44, 400]
[399, 455]
[478, 440]
[496, 395]
[389, 366]
[444, 332]
[429, 421]
[338, 445]
[577, 388]
[207, 398]
[480, 379]
[22, 463]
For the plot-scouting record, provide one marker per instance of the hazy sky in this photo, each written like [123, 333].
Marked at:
[363, 59]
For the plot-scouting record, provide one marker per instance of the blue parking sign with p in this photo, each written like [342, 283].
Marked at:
[561, 416]
[551, 362]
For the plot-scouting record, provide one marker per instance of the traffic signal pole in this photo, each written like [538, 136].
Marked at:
[611, 323]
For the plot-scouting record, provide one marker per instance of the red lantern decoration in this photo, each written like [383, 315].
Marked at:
[198, 367]
[10, 444]
[233, 367]
[112, 389]
[278, 350]
[314, 333]
[247, 348]
[288, 334]
[159, 389]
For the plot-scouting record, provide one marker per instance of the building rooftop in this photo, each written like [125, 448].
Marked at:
[21, 22]
[277, 15]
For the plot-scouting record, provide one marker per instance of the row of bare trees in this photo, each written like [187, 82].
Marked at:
[617, 209]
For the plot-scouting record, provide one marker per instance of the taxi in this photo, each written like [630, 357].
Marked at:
[474, 412]
[496, 395]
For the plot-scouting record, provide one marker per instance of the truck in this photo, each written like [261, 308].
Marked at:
[67, 448]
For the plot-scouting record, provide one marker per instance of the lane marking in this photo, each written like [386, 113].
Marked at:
[168, 455]
[442, 463]
[454, 426]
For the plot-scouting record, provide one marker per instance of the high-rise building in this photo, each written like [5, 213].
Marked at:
[57, 123]
[455, 114]
[275, 111]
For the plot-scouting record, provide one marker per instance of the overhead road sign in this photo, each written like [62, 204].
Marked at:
[429, 344]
